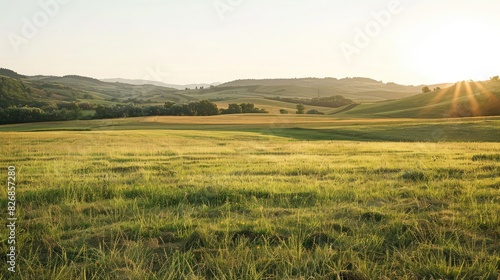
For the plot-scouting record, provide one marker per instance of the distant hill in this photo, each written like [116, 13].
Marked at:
[78, 88]
[14, 92]
[375, 98]
[358, 89]
[156, 83]
[464, 99]
[11, 74]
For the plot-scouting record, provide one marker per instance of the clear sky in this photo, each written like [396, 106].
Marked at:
[203, 41]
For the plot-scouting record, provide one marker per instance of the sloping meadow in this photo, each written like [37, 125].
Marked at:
[240, 205]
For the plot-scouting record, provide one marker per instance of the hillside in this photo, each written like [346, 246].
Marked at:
[73, 88]
[464, 99]
[156, 83]
[77, 88]
[386, 100]
[13, 92]
[25, 90]
[11, 74]
[357, 89]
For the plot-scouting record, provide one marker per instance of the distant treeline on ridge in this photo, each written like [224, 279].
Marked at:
[333, 101]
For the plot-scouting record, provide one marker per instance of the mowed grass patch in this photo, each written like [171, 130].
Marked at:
[200, 204]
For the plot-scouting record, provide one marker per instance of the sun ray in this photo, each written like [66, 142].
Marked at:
[485, 91]
[454, 102]
[441, 94]
[490, 102]
[474, 108]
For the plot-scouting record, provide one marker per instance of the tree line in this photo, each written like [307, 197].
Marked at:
[65, 111]
[199, 108]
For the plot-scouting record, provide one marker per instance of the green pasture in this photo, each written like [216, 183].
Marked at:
[254, 197]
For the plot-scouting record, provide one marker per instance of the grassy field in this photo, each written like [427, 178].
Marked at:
[461, 100]
[255, 197]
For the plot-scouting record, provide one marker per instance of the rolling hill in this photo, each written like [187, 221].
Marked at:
[73, 88]
[374, 99]
[464, 99]
[357, 89]
[156, 83]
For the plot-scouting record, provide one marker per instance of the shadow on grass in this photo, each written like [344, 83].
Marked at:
[445, 131]
[395, 133]
[322, 134]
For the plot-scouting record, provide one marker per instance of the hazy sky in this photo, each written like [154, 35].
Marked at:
[188, 41]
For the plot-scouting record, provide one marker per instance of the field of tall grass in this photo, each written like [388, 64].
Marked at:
[198, 204]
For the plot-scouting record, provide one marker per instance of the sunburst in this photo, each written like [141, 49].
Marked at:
[465, 99]
[474, 108]
[436, 100]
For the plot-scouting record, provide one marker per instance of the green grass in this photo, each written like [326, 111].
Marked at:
[300, 127]
[461, 100]
[191, 198]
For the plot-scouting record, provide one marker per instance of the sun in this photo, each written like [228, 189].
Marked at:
[457, 51]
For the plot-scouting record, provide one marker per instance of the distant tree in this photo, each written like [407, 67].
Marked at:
[247, 107]
[495, 79]
[51, 106]
[232, 109]
[426, 89]
[86, 106]
[22, 115]
[169, 104]
[283, 112]
[3, 116]
[67, 105]
[300, 109]
[314, 112]
[176, 110]
[154, 110]
[204, 108]
[133, 111]
[75, 114]
[437, 88]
